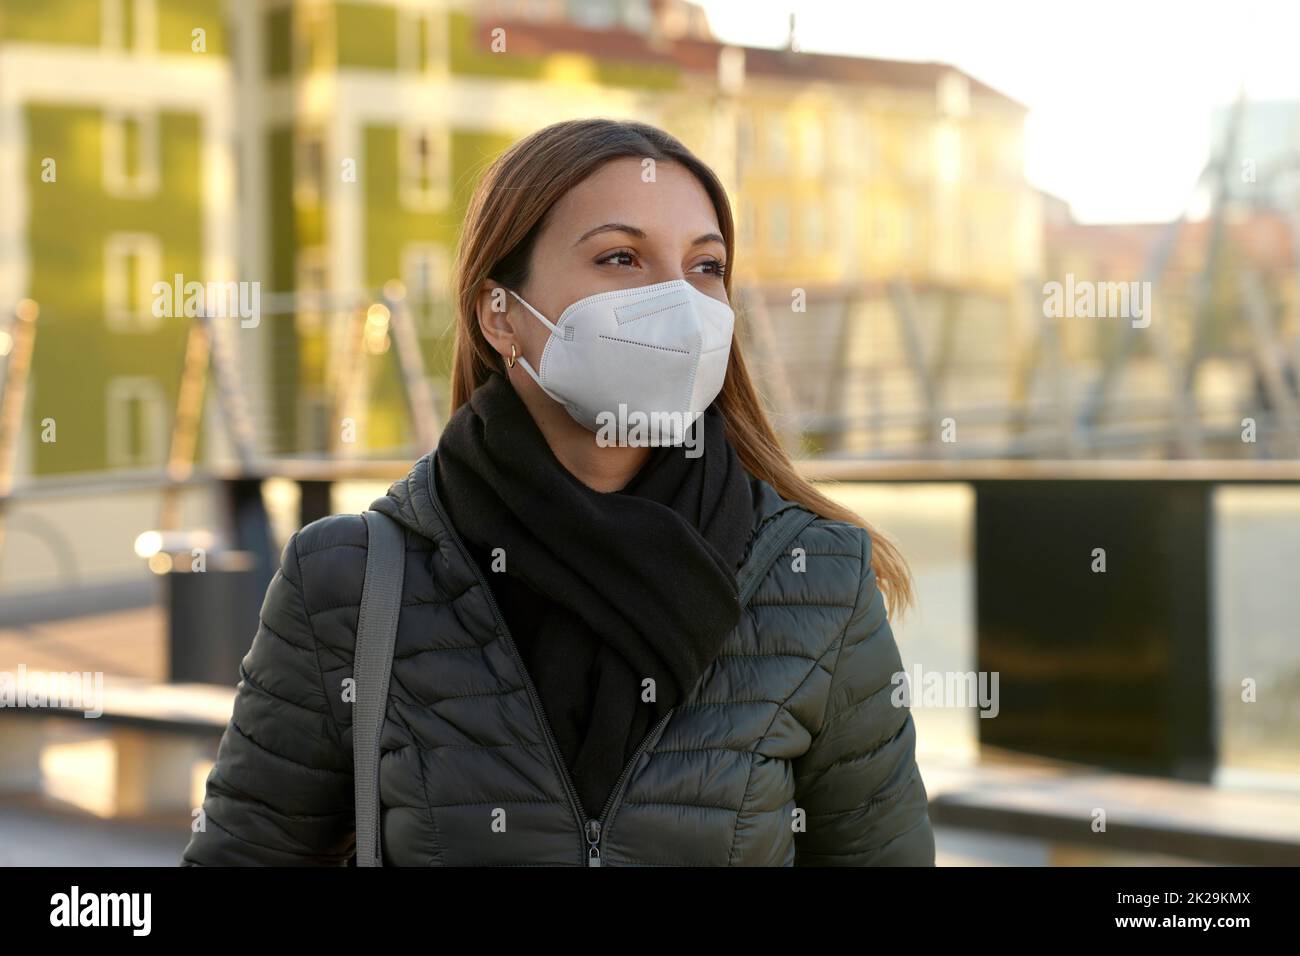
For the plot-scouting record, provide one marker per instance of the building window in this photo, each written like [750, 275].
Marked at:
[907, 234]
[873, 151]
[884, 233]
[953, 95]
[425, 160]
[744, 143]
[844, 151]
[973, 248]
[920, 151]
[811, 147]
[312, 286]
[533, 9]
[316, 414]
[135, 420]
[309, 166]
[595, 14]
[132, 264]
[426, 275]
[130, 157]
[422, 41]
[778, 227]
[1011, 157]
[948, 149]
[748, 224]
[130, 26]
[814, 229]
[777, 145]
[313, 37]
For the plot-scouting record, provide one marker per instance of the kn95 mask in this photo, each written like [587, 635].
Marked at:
[655, 355]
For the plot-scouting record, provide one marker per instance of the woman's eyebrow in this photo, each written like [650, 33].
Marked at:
[640, 233]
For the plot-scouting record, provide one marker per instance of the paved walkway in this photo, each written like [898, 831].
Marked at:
[130, 643]
[38, 832]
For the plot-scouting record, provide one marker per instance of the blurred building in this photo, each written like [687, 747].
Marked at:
[1212, 345]
[115, 172]
[1267, 162]
[323, 147]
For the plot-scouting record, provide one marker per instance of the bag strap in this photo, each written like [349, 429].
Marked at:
[771, 542]
[381, 600]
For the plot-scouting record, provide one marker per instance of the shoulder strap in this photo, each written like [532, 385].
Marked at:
[381, 599]
[771, 542]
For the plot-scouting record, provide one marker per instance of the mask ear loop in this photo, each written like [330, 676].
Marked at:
[523, 361]
[541, 318]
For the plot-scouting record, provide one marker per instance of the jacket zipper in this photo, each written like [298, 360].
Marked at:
[589, 829]
[600, 826]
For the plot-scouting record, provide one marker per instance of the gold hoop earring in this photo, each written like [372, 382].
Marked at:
[511, 361]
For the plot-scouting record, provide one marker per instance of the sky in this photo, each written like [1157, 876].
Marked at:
[1120, 93]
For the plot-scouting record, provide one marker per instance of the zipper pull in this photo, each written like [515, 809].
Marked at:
[593, 837]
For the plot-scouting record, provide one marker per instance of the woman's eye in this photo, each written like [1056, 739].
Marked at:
[617, 255]
[625, 258]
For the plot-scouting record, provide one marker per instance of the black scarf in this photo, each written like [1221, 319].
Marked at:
[600, 590]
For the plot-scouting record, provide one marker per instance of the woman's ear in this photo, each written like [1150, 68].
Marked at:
[494, 318]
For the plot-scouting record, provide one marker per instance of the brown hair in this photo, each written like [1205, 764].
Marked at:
[502, 222]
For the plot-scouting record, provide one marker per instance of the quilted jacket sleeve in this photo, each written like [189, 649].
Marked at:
[281, 792]
[858, 783]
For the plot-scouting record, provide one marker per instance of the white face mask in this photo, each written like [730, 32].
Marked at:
[660, 351]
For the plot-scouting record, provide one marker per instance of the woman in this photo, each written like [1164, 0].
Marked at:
[575, 680]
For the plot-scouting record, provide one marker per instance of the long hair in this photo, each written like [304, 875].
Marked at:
[504, 217]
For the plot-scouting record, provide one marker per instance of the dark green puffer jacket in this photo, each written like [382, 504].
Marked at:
[795, 715]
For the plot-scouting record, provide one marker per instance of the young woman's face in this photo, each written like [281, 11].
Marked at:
[616, 231]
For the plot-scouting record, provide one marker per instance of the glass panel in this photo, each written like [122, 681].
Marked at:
[932, 526]
[1257, 529]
